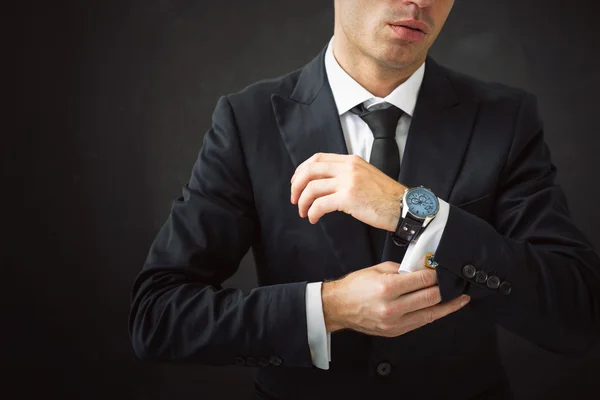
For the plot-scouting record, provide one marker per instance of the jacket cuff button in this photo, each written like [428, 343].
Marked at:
[493, 282]
[263, 362]
[505, 288]
[481, 277]
[276, 361]
[469, 271]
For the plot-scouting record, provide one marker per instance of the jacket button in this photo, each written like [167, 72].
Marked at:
[251, 362]
[240, 362]
[263, 362]
[469, 271]
[384, 368]
[276, 361]
[493, 282]
[505, 288]
[481, 277]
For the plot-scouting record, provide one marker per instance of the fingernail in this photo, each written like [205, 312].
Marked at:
[464, 301]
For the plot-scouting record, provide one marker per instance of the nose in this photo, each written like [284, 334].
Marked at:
[420, 3]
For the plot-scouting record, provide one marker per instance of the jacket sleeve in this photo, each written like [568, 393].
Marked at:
[179, 311]
[543, 275]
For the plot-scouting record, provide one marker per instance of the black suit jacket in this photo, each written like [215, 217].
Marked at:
[479, 146]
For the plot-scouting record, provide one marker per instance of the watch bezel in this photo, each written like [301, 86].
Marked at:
[406, 206]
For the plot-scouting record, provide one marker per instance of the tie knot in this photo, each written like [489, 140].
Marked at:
[381, 121]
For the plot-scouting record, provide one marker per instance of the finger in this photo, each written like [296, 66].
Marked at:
[327, 158]
[314, 190]
[418, 299]
[314, 171]
[322, 206]
[430, 314]
[406, 283]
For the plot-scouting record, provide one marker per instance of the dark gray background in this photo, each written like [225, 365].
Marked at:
[112, 102]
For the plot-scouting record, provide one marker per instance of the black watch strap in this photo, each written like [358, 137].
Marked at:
[408, 229]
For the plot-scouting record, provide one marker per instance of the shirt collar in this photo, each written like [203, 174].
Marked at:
[348, 93]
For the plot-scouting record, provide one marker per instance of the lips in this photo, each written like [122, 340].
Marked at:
[408, 34]
[412, 24]
[414, 29]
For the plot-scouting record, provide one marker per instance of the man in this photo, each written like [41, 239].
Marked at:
[458, 195]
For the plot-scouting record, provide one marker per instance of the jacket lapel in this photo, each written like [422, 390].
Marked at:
[438, 137]
[309, 123]
[437, 141]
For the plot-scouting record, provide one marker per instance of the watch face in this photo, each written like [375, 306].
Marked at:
[421, 202]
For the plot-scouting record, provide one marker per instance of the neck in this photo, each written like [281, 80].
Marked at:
[379, 79]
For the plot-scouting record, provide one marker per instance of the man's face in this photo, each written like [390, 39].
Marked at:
[370, 28]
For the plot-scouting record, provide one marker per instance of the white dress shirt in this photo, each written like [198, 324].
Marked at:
[348, 93]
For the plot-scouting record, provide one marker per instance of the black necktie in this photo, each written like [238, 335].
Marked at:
[385, 155]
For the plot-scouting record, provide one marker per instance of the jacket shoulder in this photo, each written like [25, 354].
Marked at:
[482, 90]
[257, 95]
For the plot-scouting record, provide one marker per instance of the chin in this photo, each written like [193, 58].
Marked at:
[397, 58]
[405, 55]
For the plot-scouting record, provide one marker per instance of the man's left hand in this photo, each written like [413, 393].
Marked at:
[329, 182]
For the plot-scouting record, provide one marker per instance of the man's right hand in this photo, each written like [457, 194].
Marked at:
[379, 301]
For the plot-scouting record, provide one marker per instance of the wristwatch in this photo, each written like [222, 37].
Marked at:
[419, 207]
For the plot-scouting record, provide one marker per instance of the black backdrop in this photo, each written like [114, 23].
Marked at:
[112, 102]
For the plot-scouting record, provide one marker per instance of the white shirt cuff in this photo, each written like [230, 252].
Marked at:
[428, 242]
[319, 340]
